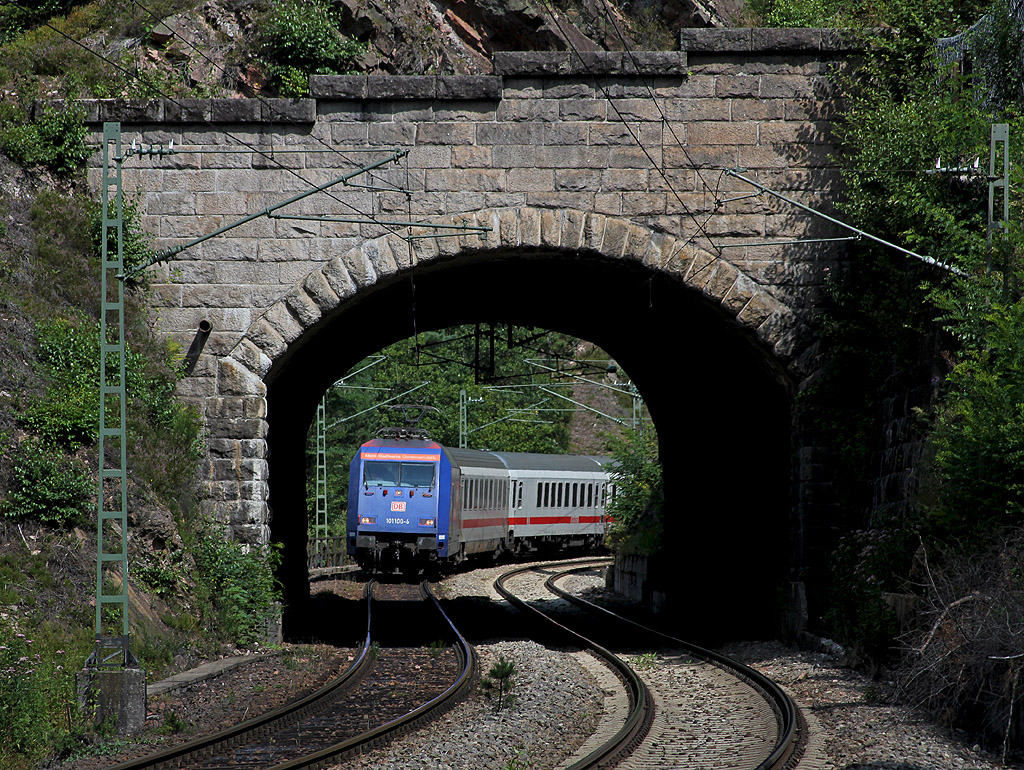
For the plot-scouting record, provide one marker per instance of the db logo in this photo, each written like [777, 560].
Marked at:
[398, 505]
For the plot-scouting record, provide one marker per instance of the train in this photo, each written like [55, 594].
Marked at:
[415, 505]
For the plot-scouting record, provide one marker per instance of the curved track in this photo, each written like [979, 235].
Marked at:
[744, 690]
[348, 715]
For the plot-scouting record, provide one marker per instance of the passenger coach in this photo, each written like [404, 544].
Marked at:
[414, 504]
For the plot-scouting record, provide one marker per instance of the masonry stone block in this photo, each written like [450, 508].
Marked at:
[288, 110]
[130, 110]
[634, 157]
[235, 379]
[566, 133]
[616, 234]
[571, 88]
[654, 63]
[468, 87]
[360, 268]
[237, 448]
[382, 258]
[514, 156]
[503, 199]
[521, 179]
[550, 227]
[287, 326]
[529, 227]
[787, 87]
[303, 306]
[196, 387]
[582, 109]
[514, 110]
[393, 250]
[471, 157]
[716, 40]
[637, 240]
[572, 157]
[573, 221]
[508, 227]
[509, 133]
[427, 249]
[593, 232]
[255, 534]
[338, 87]
[531, 63]
[247, 353]
[785, 39]
[758, 309]
[235, 110]
[246, 513]
[446, 133]
[472, 240]
[721, 281]
[576, 180]
[401, 87]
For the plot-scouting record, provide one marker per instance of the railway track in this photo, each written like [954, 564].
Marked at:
[687, 706]
[386, 692]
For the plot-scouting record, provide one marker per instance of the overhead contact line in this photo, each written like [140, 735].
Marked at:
[370, 219]
[702, 228]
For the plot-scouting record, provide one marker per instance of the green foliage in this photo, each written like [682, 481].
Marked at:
[635, 509]
[302, 38]
[36, 693]
[644, 661]
[900, 14]
[69, 412]
[867, 564]
[15, 17]
[55, 139]
[978, 437]
[238, 581]
[136, 250]
[48, 485]
[882, 342]
[499, 682]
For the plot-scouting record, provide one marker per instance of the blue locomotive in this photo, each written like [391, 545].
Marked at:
[414, 504]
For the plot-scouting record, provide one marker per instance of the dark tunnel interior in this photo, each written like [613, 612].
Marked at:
[721, 407]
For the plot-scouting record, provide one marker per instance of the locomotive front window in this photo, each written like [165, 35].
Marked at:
[382, 473]
[417, 475]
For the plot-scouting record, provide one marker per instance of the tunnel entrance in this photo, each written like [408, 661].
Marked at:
[720, 403]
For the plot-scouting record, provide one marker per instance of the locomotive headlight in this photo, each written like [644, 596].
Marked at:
[426, 522]
[367, 519]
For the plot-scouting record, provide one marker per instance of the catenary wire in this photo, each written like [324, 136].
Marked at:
[256, 95]
[686, 209]
[254, 149]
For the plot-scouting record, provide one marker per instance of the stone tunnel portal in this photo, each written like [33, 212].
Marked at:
[719, 402]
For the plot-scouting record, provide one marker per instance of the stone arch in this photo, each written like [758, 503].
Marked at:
[236, 484]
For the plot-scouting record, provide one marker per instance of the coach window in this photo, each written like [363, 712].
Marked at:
[519, 503]
[590, 495]
[575, 494]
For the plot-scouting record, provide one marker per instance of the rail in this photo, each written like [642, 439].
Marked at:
[785, 709]
[641, 712]
[318, 703]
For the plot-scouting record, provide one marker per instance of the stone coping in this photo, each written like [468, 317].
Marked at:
[757, 40]
[749, 41]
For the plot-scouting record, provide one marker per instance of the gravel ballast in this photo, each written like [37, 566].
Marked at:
[560, 699]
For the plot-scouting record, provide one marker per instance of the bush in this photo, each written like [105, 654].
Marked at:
[635, 508]
[963, 663]
[56, 139]
[36, 693]
[241, 587]
[302, 38]
[48, 485]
